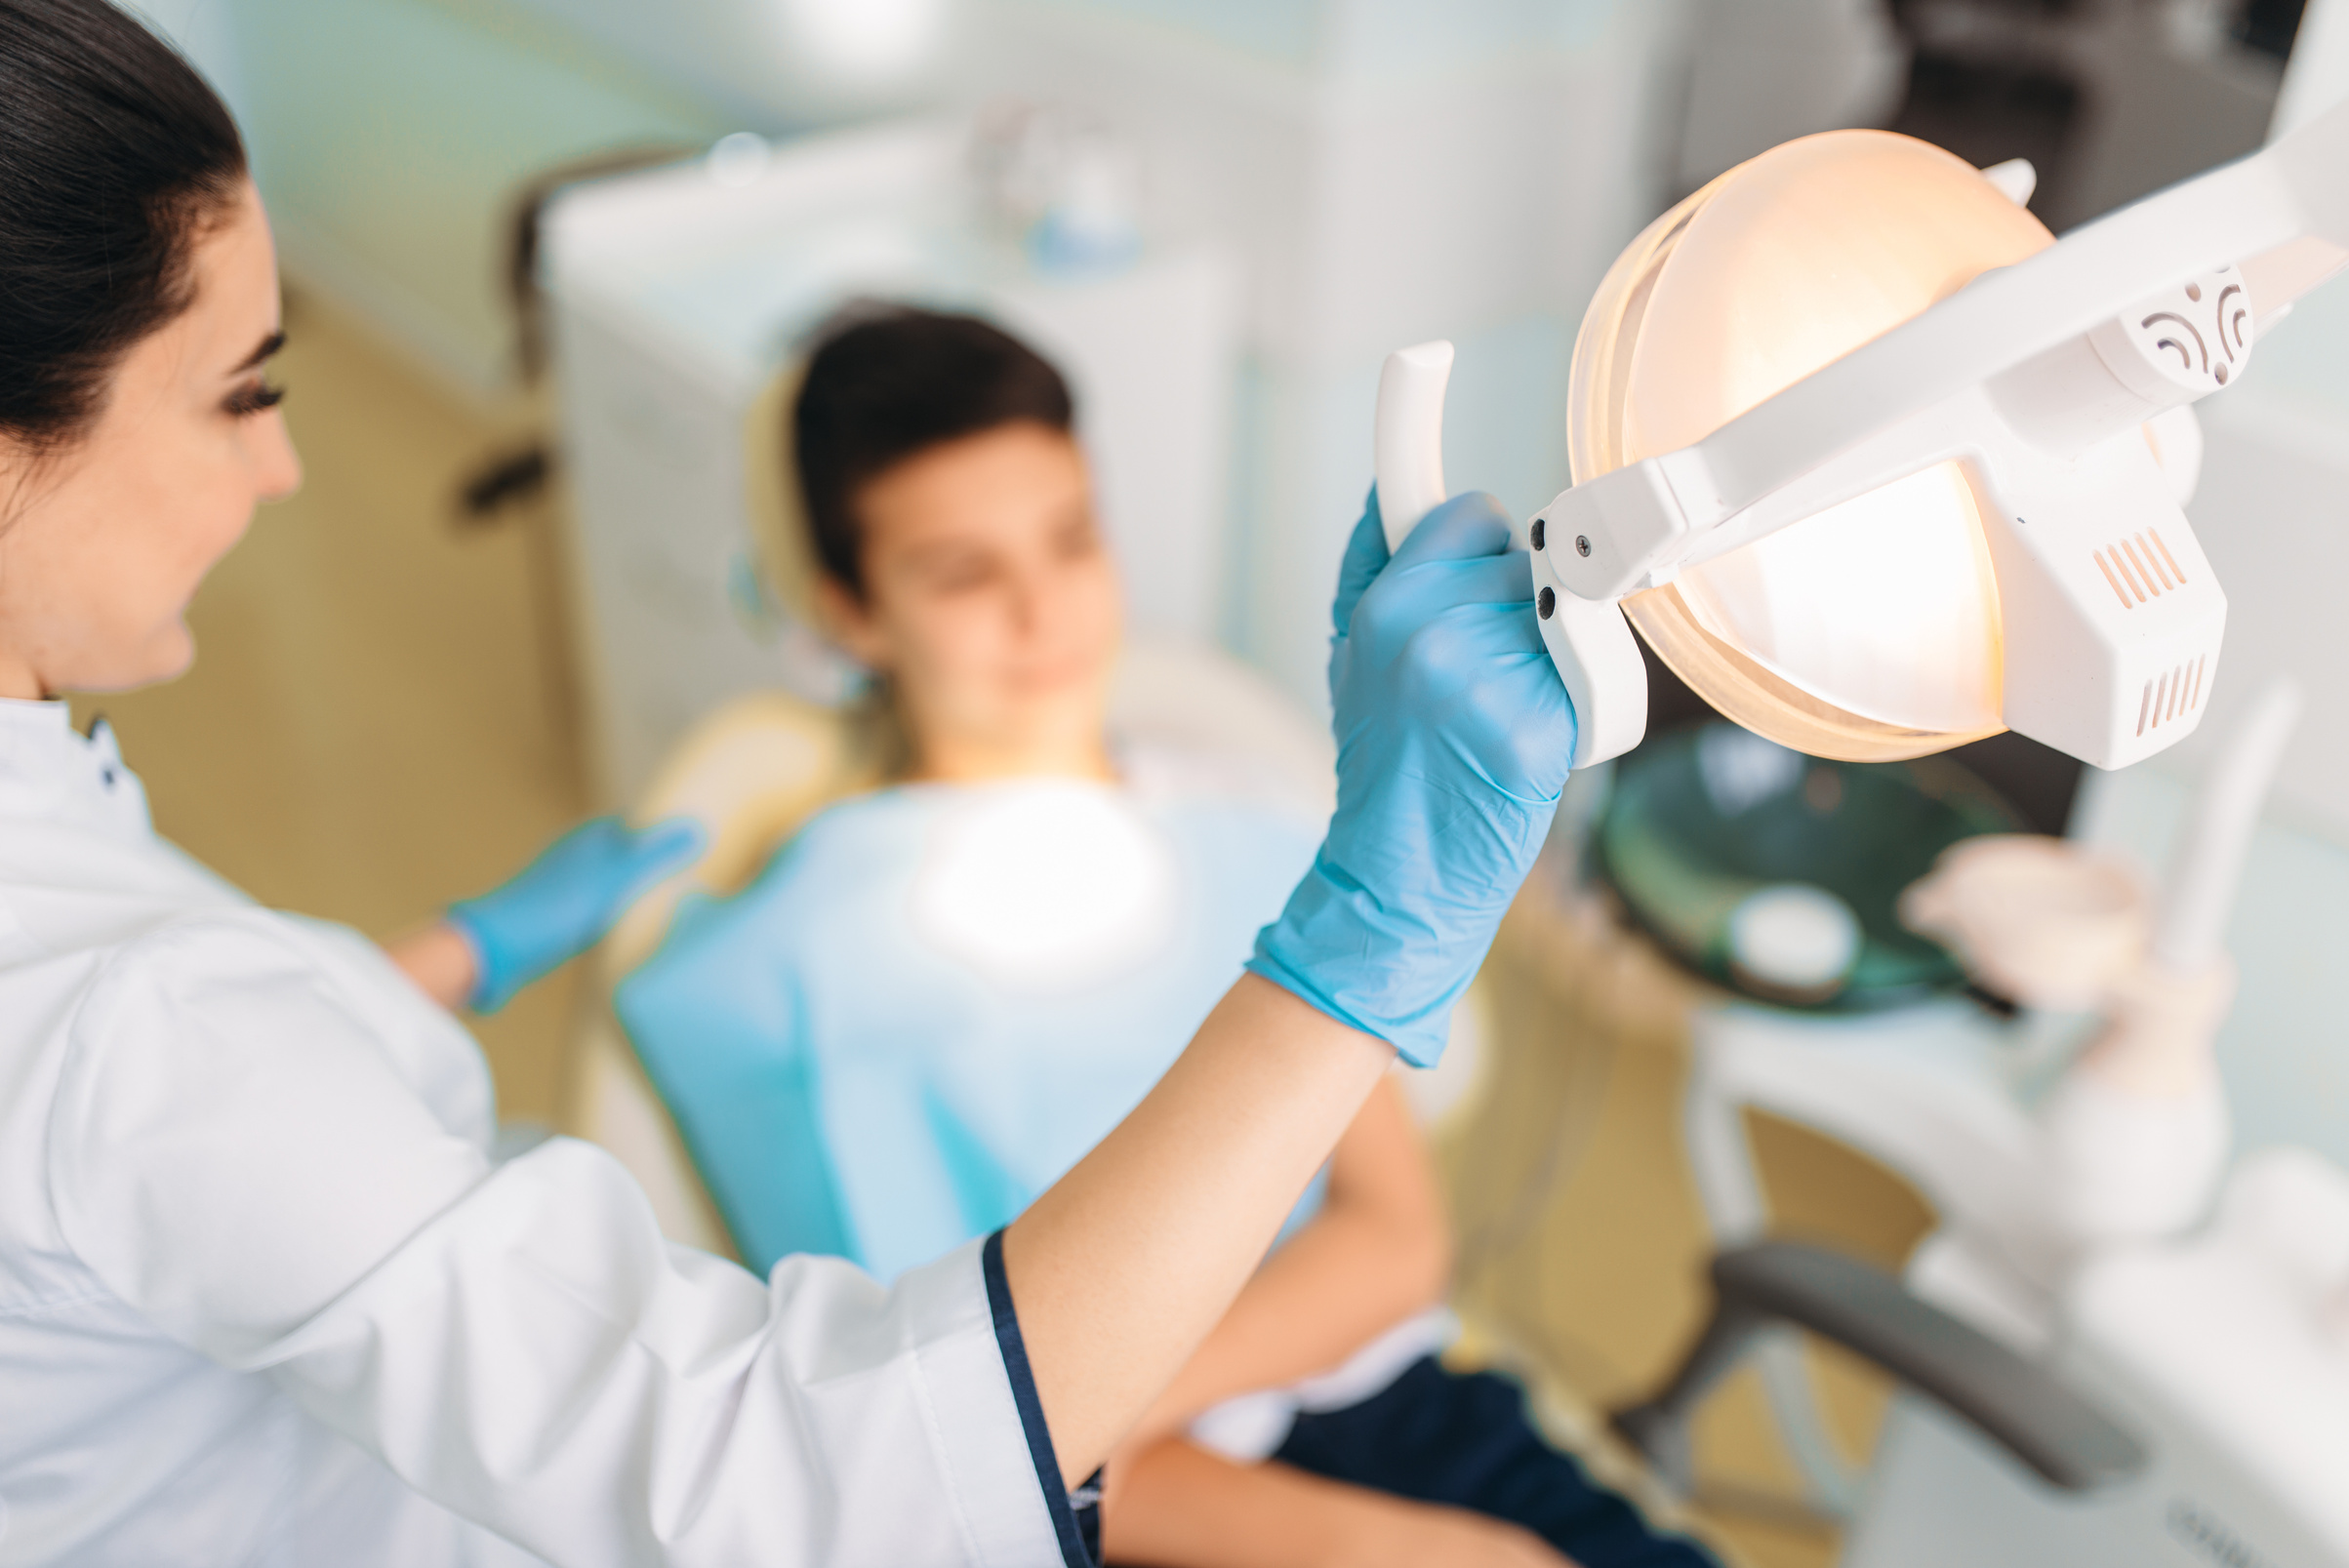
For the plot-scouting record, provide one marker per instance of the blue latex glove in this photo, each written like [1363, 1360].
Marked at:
[565, 901]
[1454, 735]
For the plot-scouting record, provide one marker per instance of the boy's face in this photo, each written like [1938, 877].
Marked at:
[990, 600]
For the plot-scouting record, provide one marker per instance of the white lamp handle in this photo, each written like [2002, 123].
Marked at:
[1589, 640]
[1407, 456]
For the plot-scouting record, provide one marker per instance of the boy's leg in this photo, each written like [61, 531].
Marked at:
[1463, 1439]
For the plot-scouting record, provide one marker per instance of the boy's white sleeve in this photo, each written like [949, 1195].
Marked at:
[233, 1155]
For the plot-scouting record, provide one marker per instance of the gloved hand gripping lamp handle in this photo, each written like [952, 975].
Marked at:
[1588, 639]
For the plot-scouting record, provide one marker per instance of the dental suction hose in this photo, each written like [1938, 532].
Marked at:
[1590, 642]
[2136, 1135]
[2201, 889]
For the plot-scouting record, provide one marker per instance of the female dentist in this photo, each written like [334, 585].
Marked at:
[263, 1296]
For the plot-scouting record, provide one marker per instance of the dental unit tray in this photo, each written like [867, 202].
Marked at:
[1684, 852]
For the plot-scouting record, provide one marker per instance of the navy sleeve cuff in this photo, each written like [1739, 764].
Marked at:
[1076, 1516]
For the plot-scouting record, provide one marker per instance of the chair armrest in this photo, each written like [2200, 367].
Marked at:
[2015, 1402]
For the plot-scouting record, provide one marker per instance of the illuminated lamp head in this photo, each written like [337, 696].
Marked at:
[1879, 466]
[1872, 631]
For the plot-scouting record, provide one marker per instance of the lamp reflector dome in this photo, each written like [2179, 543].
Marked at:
[1869, 632]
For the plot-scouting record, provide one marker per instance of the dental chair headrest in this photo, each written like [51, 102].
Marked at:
[780, 537]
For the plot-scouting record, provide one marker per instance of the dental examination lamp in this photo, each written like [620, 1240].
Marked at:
[1879, 466]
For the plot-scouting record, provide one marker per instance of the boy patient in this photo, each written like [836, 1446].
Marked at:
[939, 994]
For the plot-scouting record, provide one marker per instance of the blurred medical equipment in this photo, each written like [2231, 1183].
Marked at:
[1063, 184]
[1941, 496]
[2064, 1170]
[2130, 1142]
[2226, 1352]
[2224, 1358]
[678, 294]
[1778, 875]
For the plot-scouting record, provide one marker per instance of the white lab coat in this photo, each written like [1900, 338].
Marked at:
[265, 1299]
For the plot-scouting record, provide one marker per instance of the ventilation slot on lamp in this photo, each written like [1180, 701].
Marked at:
[2139, 568]
[2171, 693]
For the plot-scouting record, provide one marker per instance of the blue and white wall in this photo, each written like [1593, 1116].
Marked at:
[390, 136]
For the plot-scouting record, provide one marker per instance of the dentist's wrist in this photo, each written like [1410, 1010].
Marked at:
[493, 982]
[1333, 949]
[1394, 964]
[441, 962]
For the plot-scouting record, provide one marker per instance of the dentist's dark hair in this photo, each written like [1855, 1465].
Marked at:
[115, 157]
[886, 383]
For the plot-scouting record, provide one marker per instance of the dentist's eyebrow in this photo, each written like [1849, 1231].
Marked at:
[270, 346]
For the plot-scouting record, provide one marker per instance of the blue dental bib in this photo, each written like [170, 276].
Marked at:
[937, 998]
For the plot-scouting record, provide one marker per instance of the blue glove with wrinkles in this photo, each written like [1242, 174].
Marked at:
[565, 901]
[1455, 735]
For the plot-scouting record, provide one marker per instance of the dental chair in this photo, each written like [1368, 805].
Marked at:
[2194, 1407]
[2011, 1404]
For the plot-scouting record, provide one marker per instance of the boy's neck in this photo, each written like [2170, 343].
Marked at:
[949, 761]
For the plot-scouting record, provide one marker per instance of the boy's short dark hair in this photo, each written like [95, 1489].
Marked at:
[885, 384]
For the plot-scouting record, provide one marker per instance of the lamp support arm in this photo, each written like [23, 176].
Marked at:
[2281, 212]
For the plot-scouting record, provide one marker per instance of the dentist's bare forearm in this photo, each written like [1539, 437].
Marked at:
[1377, 1253]
[1122, 1268]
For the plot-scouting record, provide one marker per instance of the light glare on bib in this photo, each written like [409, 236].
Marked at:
[1045, 884]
